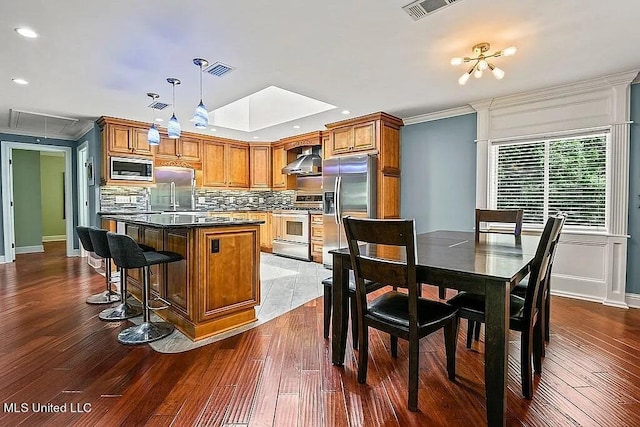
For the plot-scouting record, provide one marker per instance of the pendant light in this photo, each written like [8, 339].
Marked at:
[153, 136]
[201, 116]
[173, 127]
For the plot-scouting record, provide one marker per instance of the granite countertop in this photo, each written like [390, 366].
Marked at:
[167, 220]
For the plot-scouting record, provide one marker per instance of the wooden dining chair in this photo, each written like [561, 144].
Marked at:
[525, 313]
[402, 315]
[510, 216]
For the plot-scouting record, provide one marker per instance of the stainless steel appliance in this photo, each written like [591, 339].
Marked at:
[292, 234]
[131, 169]
[349, 187]
[307, 163]
[174, 190]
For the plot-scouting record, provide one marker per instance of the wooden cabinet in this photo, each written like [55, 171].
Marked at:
[316, 237]
[225, 164]
[178, 282]
[185, 148]
[280, 158]
[260, 162]
[123, 139]
[377, 134]
[265, 229]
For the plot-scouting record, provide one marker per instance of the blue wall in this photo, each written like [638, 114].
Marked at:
[95, 151]
[43, 141]
[438, 184]
[633, 248]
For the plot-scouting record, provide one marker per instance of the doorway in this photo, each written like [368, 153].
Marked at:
[8, 214]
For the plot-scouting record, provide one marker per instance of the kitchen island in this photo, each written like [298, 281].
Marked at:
[217, 285]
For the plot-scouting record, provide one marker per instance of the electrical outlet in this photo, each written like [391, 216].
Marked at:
[260, 199]
[202, 200]
[232, 199]
[134, 199]
[122, 199]
[250, 199]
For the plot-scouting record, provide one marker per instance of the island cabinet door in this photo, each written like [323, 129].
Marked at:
[134, 279]
[153, 238]
[178, 282]
[229, 260]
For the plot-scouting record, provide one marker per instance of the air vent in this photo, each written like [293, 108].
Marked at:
[218, 69]
[157, 105]
[421, 8]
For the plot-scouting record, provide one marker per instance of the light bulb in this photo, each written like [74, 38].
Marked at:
[201, 116]
[463, 79]
[477, 73]
[482, 64]
[511, 50]
[153, 136]
[456, 61]
[497, 72]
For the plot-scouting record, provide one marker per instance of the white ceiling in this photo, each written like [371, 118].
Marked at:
[101, 58]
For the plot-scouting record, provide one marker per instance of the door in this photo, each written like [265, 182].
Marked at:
[83, 187]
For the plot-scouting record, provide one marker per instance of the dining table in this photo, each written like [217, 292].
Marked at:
[492, 266]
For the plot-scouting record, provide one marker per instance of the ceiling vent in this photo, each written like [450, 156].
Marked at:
[218, 69]
[157, 105]
[45, 124]
[421, 8]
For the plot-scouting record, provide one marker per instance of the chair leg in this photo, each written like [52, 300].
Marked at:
[543, 326]
[327, 310]
[450, 343]
[526, 351]
[476, 331]
[442, 292]
[414, 347]
[538, 347]
[547, 310]
[354, 322]
[394, 345]
[363, 354]
[470, 328]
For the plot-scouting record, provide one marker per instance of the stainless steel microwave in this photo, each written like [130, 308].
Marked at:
[131, 169]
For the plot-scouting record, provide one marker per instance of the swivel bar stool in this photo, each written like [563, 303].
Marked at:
[124, 310]
[108, 296]
[127, 254]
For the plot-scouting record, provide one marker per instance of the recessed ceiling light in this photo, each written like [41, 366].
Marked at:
[213, 129]
[27, 32]
[256, 137]
[346, 112]
[158, 119]
[296, 127]
[20, 81]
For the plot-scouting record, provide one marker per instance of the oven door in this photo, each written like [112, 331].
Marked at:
[295, 228]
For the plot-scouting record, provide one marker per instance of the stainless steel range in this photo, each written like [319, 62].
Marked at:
[292, 227]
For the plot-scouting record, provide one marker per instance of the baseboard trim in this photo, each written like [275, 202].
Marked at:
[633, 300]
[55, 238]
[29, 249]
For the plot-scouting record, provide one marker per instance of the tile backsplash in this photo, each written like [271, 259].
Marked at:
[133, 199]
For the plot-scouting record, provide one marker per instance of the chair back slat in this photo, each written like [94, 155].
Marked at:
[383, 271]
[510, 216]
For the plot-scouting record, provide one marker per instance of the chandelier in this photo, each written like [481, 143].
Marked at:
[480, 62]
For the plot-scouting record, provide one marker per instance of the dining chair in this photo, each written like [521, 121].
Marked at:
[401, 315]
[521, 288]
[525, 314]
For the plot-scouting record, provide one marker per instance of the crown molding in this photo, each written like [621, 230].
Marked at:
[437, 115]
[36, 134]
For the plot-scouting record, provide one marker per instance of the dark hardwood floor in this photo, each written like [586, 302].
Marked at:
[54, 349]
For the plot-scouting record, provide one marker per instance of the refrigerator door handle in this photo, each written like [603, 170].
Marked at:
[172, 195]
[339, 201]
[335, 200]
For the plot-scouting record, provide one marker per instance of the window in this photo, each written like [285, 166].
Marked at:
[543, 177]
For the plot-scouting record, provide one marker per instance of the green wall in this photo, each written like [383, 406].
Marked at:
[52, 195]
[26, 198]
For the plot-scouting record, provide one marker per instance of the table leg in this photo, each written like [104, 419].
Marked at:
[340, 302]
[496, 351]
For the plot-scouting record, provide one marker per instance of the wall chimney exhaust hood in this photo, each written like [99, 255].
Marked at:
[308, 162]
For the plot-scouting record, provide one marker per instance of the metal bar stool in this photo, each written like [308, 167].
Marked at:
[124, 310]
[127, 254]
[108, 296]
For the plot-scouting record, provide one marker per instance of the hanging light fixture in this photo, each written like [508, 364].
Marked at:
[201, 115]
[480, 62]
[173, 127]
[153, 136]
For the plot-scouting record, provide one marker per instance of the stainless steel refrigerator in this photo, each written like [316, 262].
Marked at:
[349, 189]
[174, 190]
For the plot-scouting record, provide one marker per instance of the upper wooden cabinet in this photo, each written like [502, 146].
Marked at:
[260, 162]
[121, 138]
[225, 164]
[185, 148]
[280, 158]
[378, 134]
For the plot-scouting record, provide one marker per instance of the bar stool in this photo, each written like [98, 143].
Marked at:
[127, 254]
[124, 310]
[108, 296]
